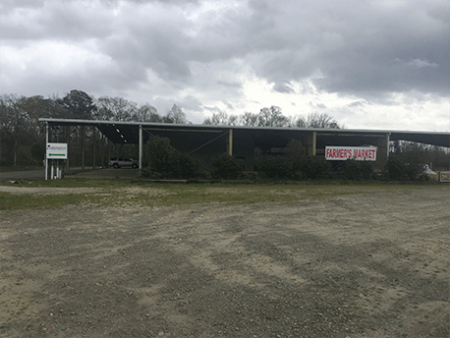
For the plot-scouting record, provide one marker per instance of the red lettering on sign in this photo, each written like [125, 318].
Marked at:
[344, 153]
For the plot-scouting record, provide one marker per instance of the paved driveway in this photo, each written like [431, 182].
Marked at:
[22, 175]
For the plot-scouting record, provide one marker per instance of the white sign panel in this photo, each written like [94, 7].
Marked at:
[348, 153]
[57, 151]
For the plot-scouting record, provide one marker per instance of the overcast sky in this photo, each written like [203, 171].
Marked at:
[369, 64]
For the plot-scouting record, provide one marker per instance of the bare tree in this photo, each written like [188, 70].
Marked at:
[316, 120]
[147, 113]
[222, 118]
[114, 109]
[248, 119]
[272, 117]
[299, 122]
[176, 115]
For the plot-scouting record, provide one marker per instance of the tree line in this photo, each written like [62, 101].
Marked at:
[22, 137]
[273, 117]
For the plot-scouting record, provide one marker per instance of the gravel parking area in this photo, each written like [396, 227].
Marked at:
[373, 265]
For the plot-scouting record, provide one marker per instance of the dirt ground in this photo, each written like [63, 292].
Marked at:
[374, 265]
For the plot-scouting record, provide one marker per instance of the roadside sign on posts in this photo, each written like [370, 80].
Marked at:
[444, 176]
[56, 151]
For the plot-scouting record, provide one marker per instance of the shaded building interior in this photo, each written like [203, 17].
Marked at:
[203, 142]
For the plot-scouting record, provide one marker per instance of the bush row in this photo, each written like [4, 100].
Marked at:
[166, 162]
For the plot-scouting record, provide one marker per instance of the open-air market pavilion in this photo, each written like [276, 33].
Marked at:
[203, 141]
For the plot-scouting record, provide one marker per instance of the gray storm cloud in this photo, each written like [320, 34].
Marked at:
[364, 49]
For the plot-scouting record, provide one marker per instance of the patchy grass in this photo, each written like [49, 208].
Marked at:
[118, 193]
[72, 183]
[238, 194]
[37, 201]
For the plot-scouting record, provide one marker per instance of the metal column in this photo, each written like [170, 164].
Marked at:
[230, 142]
[68, 142]
[82, 148]
[388, 136]
[93, 148]
[141, 148]
[312, 142]
[45, 156]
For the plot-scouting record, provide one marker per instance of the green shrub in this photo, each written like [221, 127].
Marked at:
[166, 162]
[149, 173]
[181, 165]
[356, 170]
[398, 170]
[159, 153]
[298, 168]
[423, 178]
[315, 168]
[277, 167]
[227, 167]
[296, 152]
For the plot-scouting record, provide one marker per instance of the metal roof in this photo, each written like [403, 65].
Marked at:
[128, 132]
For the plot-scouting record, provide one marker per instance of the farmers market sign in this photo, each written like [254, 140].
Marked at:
[347, 153]
[56, 151]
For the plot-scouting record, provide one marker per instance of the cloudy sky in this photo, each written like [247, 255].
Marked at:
[370, 64]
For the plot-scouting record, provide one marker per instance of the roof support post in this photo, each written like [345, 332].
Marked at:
[388, 136]
[141, 146]
[68, 145]
[230, 142]
[93, 147]
[82, 148]
[45, 155]
[109, 150]
[102, 150]
[311, 146]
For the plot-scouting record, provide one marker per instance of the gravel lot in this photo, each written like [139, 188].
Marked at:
[373, 265]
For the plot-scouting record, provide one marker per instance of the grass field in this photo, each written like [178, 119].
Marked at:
[40, 194]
